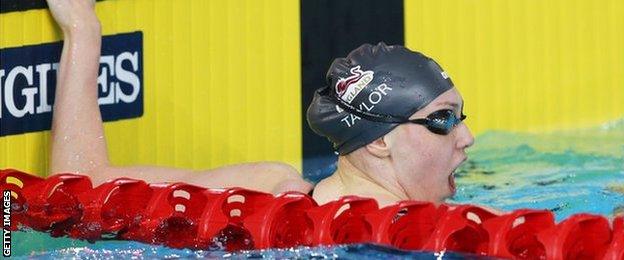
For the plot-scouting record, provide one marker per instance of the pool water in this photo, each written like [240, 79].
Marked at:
[68, 248]
[565, 171]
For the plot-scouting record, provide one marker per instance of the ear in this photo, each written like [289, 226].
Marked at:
[380, 147]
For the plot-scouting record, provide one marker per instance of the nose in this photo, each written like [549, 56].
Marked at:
[465, 138]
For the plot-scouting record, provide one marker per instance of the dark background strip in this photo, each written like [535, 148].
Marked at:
[331, 29]
[7, 6]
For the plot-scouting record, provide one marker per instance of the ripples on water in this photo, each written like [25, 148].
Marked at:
[566, 171]
[134, 250]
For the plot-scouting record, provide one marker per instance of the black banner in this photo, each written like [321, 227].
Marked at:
[331, 29]
[28, 82]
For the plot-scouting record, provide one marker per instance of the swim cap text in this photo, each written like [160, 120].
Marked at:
[368, 104]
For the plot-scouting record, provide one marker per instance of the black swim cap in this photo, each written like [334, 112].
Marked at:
[372, 91]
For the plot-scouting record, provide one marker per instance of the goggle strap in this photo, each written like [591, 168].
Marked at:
[420, 121]
[365, 114]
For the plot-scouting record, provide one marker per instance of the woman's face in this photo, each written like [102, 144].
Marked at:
[425, 162]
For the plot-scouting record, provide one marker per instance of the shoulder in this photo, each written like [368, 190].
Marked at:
[327, 190]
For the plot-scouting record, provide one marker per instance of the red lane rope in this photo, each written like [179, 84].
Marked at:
[181, 215]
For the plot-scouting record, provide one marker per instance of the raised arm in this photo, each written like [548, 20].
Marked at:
[78, 143]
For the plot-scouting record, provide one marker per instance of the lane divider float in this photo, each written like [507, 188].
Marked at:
[181, 215]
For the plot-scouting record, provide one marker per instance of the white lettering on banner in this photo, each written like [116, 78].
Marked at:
[28, 92]
[111, 69]
[42, 70]
[107, 62]
[373, 98]
[127, 77]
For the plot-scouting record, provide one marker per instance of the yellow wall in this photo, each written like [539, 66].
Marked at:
[222, 78]
[221, 83]
[527, 65]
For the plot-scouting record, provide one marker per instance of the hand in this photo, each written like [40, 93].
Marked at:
[72, 15]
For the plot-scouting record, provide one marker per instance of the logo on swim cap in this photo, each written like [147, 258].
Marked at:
[348, 88]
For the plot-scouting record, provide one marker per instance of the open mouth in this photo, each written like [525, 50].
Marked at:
[451, 180]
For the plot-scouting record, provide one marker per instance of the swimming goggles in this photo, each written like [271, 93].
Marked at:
[439, 122]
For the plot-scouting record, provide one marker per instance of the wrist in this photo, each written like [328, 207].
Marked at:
[83, 31]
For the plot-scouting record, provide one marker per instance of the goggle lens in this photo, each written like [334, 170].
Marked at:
[441, 122]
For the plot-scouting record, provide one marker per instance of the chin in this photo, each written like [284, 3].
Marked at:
[446, 196]
[438, 202]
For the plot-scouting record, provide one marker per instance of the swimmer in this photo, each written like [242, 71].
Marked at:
[77, 139]
[396, 121]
